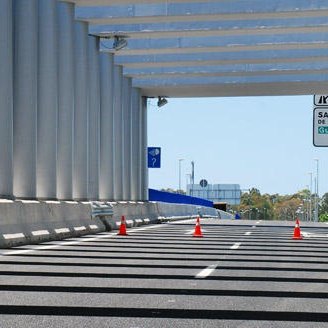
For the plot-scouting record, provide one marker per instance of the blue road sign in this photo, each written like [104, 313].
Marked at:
[154, 157]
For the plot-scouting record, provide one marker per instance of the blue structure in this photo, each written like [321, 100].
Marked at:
[167, 197]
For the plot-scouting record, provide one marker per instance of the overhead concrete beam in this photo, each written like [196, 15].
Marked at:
[210, 29]
[229, 58]
[236, 90]
[181, 42]
[214, 70]
[99, 17]
[200, 6]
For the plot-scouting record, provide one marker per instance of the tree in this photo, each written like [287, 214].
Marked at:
[323, 204]
[323, 217]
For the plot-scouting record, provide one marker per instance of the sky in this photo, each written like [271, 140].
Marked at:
[260, 142]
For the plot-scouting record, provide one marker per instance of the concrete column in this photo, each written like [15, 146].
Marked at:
[46, 178]
[118, 134]
[127, 89]
[143, 150]
[25, 97]
[80, 153]
[65, 100]
[135, 146]
[107, 156]
[94, 113]
[6, 99]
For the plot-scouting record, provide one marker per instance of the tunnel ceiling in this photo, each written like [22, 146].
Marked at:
[180, 48]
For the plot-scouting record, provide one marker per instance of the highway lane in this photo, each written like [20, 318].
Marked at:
[240, 274]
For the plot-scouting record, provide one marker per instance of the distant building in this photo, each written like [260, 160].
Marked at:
[217, 193]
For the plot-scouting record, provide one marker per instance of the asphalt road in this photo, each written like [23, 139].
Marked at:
[240, 274]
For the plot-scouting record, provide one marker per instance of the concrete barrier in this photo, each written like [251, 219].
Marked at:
[28, 222]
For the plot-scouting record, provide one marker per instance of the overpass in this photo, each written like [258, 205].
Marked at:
[73, 122]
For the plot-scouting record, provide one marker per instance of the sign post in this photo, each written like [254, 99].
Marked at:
[154, 157]
[320, 121]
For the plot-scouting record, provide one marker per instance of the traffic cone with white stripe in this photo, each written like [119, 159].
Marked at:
[297, 231]
[122, 231]
[198, 230]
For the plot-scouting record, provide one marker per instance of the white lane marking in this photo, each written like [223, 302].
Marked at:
[258, 222]
[310, 234]
[40, 232]
[62, 230]
[206, 272]
[13, 235]
[248, 233]
[93, 226]
[189, 232]
[235, 246]
[75, 242]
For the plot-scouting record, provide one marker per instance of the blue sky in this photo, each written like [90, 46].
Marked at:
[261, 142]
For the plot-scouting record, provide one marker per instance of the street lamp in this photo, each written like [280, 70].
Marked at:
[180, 160]
[310, 200]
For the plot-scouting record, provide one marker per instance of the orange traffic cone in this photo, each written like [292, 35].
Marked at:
[297, 230]
[122, 231]
[198, 231]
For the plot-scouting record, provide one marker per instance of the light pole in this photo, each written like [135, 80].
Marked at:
[192, 177]
[180, 160]
[316, 218]
[310, 200]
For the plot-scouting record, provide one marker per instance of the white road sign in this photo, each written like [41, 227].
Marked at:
[320, 126]
[321, 100]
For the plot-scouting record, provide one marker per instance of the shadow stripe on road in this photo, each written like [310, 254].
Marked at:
[142, 250]
[122, 255]
[195, 259]
[159, 276]
[163, 313]
[160, 266]
[162, 291]
[210, 242]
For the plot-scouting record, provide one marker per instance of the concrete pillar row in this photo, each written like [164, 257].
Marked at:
[143, 149]
[47, 101]
[6, 99]
[25, 97]
[135, 145]
[94, 118]
[72, 126]
[127, 149]
[65, 100]
[107, 155]
[81, 139]
[118, 134]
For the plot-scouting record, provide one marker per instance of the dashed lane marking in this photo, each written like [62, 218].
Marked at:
[206, 272]
[235, 246]
[248, 233]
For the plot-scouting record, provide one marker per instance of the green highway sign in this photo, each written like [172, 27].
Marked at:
[320, 123]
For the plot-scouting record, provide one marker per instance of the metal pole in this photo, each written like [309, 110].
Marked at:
[317, 193]
[310, 200]
[180, 160]
[192, 177]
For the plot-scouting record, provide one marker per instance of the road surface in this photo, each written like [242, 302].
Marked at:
[240, 274]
